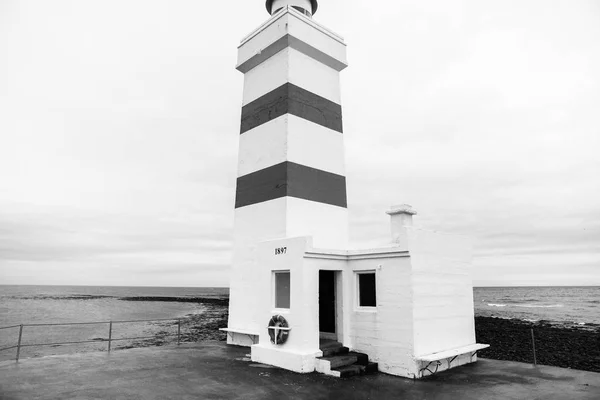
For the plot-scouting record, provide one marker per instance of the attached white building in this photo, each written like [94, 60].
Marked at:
[408, 305]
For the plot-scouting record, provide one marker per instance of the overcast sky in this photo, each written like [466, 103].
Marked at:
[119, 127]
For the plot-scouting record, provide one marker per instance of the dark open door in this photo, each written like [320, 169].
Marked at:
[327, 301]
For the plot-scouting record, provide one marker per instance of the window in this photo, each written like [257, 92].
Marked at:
[303, 11]
[282, 289]
[366, 289]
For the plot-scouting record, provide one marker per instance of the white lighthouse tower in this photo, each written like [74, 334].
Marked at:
[298, 296]
[291, 176]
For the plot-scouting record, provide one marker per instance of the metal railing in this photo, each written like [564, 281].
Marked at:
[110, 338]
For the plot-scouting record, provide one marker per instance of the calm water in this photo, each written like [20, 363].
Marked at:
[564, 305]
[55, 304]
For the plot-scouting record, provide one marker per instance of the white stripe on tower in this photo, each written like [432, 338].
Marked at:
[290, 65]
[306, 143]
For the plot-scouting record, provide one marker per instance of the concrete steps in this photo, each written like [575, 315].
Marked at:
[338, 361]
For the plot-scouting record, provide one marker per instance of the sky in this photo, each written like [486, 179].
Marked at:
[119, 127]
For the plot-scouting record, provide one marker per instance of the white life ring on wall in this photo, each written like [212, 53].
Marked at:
[278, 336]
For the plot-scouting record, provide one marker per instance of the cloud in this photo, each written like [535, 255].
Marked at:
[120, 128]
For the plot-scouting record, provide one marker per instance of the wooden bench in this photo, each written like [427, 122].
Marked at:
[253, 336]
[450, 355]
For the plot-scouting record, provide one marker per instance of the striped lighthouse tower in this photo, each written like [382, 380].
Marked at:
[291, 175]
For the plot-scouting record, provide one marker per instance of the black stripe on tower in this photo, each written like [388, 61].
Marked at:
[291, 99]
[294, 180]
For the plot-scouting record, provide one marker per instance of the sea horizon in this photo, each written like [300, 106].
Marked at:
[227, 287]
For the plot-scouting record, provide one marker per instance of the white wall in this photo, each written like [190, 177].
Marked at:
[291, 138]
[443, 291]
[326, 224]
[290, 65]
[302, 346]
[267, 76]
[424, 301]
[385, 334]
[314, 76]
[256, 222]
[297, 25]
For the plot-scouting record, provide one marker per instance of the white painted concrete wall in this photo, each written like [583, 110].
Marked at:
[266, 76]
[317, 36]
[424, 302]
[302, 346]
[291, 138]
[290, 65]
[279, 218]
[443, 291]
[326, 224]
[312, 75]
[263, 221]
[386, 332]
[297, 25]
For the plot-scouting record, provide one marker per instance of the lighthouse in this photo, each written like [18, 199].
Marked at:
[291, 171]
[299, 297]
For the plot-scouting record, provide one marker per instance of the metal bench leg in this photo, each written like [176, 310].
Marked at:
[437, 365]
[450, 361]
[251, 337]
[473, 354]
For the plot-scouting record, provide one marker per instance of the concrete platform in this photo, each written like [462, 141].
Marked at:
[212, 370]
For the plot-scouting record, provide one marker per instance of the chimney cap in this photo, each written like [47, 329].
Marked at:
[313, 3]
[401, 209]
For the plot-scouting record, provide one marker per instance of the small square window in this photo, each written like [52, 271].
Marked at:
[366, 290]
[282, 289]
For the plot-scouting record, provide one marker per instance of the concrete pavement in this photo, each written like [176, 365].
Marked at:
[212, 370]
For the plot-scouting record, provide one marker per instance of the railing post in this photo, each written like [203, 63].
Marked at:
[533, 344]
[178, 332]
[109, 335]
[19, 343]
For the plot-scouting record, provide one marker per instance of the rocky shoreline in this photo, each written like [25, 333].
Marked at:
[556, 345]
[200, 300]
[195, 327]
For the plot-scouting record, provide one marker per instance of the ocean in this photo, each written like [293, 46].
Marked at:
[563, 305]
[59, 304]
[568, 306]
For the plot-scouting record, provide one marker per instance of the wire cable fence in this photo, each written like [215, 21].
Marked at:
[109, 339]
[547, 345]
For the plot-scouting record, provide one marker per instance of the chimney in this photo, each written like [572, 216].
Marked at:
[401, 217]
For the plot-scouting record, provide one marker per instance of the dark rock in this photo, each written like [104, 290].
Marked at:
[555, 345]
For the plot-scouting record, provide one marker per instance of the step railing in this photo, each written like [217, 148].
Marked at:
[109, 339]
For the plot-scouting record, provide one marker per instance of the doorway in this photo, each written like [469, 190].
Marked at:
[327, 314]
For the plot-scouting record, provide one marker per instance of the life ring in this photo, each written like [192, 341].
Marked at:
[278, 336]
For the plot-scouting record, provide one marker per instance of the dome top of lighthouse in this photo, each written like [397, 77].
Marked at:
[274, 5]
